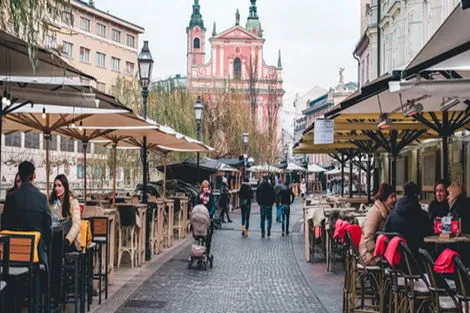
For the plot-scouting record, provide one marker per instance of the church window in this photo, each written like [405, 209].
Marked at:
[197, 43]
[237, 68]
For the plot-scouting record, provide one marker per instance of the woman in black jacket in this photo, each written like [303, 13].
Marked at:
[439, 207]
[246, 196]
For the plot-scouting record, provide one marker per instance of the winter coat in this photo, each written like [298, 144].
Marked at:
[375, 222]
[211, 206]
[224, 199]
[285, 196]
[410, 221]
[245, 192]
[73, 236]
[438, 209]
[265, 195]
[460, 209]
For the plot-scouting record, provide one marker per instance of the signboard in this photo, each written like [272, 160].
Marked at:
[324, 132]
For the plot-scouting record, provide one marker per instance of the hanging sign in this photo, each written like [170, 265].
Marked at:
[324, 132]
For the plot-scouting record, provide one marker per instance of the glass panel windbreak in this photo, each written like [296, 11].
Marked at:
[80, 147]
[13, 140]
[67, 145]
[31, 140]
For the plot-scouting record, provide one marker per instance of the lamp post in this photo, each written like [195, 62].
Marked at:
[198, 114]
[286, 157]
[145, 63]
[245, 152]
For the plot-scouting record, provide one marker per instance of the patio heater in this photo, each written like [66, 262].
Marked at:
[245, 137]
[198, 114]
[145, 62]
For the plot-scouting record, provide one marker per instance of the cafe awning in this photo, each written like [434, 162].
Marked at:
[450, 40]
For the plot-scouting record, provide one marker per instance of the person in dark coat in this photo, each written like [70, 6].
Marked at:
[224, 201]
[26, 209]
[246, 196]
[265, 196]
[439, 207]
[459, 206]
[285, 198]
[409, 220]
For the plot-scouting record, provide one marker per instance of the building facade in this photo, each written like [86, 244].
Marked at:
[236, 64]
[103, 46]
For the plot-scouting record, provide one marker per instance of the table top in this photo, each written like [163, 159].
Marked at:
[137, 205]
[438, 240]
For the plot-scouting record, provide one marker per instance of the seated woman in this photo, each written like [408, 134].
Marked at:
[68, 208]
[16, 184]
[439, 207]
[459, 206]
[384, 201]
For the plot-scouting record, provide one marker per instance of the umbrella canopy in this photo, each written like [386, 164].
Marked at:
[292, 167]
[264, 168]
[14, 60]
[313, 168]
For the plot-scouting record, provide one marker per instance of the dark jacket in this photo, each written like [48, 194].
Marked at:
[245, 192]
[460, 209]
[224, 199]
[26, 209]
[285, 196]
[408, 219]
[438, 209]
[265, 195]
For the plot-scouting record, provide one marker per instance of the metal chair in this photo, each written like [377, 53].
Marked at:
[443, 298]
[462, 283]
[4, 268]
[100, 236]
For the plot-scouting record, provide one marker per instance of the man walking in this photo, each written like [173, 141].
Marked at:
[224, 201]
[278, 188]
[285, 198]
[265, 196]
[246, 195]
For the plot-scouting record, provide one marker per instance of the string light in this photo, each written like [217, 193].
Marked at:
[4, 98]
[80, 126]
[44, 113]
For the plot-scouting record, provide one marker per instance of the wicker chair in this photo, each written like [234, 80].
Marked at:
[462, 283]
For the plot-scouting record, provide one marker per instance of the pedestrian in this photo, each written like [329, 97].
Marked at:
[409, 220]
[64, 203]
[303, 188]
[224, 201]
[26, 209]
[246, 196]
[206, 198]
[285, 198]
[265, 196]
[278, 188]
[16, 183]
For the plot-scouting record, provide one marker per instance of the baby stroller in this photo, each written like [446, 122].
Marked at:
[202, 233]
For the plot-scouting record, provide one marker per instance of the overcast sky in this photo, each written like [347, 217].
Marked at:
[316, 37]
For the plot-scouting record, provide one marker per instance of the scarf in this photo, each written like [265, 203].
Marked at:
[204, 197]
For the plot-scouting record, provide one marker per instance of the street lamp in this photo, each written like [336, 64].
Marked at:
[245, 154]
[145, 63]
[198, 114]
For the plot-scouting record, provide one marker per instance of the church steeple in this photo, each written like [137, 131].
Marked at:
[196, 17]
[214, 30]
[279, 62]
[253, 23]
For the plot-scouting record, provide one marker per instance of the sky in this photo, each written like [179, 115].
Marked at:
[315, 37]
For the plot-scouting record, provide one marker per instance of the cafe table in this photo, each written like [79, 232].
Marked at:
[436, 239]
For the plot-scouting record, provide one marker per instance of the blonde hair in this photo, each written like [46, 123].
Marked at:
[205, 184]
[456, 189]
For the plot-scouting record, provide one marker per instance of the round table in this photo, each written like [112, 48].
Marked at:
[465, 238]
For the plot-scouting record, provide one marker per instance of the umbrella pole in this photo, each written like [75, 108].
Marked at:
[47, 137]
[1, 132]
[114, 171]
[164, 178]
[85, 144]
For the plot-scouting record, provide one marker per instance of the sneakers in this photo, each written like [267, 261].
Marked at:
[282, 234]
[262, 236]
[269, 233]
[230, 221]
[287, 233]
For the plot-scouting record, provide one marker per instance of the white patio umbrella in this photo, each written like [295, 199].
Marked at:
[313, 168]
[292, 167]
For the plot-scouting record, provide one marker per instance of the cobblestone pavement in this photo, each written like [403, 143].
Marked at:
[249, 275]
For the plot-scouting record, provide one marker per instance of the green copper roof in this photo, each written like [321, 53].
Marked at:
[196, 17]
[253, 19]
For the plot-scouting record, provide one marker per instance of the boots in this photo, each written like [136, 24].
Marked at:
[243, 230]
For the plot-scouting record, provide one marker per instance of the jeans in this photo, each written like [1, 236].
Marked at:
[285, 215]
[246, 210]
[266, 213]
[278, 212]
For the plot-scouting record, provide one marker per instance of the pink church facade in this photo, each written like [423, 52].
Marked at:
[236, 64]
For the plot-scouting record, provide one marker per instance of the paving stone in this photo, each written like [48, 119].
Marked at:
[249, 275]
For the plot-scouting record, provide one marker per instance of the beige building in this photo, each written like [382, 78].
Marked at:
[97, 43]
[103, 46]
